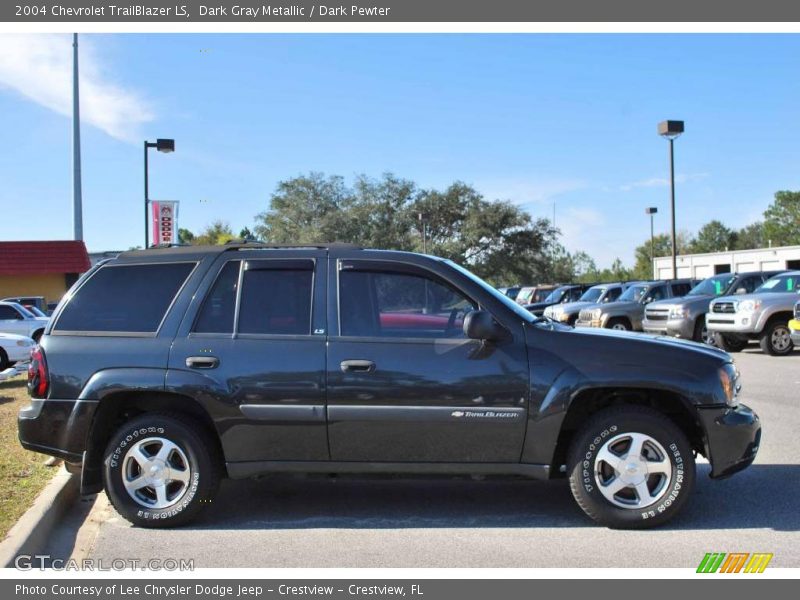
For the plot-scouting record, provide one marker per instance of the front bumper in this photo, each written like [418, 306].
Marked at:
[587, 323]
[743, 323]
[680, 328]
[794, 328]
[56, 427]
[733, 435]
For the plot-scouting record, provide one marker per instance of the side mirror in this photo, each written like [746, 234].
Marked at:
[647, 300]
[741, 290]
[480, 325]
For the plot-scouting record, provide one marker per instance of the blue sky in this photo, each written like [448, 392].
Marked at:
[532, 118]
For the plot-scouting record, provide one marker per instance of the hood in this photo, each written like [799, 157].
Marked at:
[588, 349]
[620, 305]
[768, 298]
[683, 301]
[579, 306]
[11, 337]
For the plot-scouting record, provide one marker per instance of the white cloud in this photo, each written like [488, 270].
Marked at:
[39, 67]
[661, 181]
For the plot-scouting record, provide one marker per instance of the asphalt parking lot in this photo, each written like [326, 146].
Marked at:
[352, 522]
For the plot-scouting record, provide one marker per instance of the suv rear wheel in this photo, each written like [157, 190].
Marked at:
[729, 343]
[776, 339]
[630, 468]
[160, 471]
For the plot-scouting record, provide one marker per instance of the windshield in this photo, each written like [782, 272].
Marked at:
[518, 309]
[556, 295]
[713, 286]
[782, 284]
[36, 312]
[592, 295]
[634, 293]
[25, 312]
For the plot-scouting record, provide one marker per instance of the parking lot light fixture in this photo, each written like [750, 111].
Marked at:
[166, 146]
[651, 210]
[671, 130]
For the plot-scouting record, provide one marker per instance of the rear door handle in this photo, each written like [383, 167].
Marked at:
[202, 362]
[357, 366]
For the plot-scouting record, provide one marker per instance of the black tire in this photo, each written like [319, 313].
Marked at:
[607, 429]
[701, 334]
[619, 324]
[195, 454]
[728, 343]
[4, 364]
[776, 339]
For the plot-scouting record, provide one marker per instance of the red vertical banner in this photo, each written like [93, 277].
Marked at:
[164, 221]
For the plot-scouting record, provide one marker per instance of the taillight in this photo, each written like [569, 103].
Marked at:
[38, 378]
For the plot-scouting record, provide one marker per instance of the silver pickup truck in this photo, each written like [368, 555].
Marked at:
[686, 317]
[627, 313]
[763, 315]
[596, 295]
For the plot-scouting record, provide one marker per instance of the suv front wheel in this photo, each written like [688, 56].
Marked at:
[160, 471]
[630, 467]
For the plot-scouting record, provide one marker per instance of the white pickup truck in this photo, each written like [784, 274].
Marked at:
[18, 320]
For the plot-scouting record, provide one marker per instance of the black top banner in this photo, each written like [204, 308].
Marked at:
[376, 11]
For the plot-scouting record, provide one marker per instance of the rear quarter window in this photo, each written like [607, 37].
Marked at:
[125, 299]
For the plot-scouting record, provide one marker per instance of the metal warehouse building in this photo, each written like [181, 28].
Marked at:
[700, 266]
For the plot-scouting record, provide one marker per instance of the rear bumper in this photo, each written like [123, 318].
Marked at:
[56, 427]
[733, 436]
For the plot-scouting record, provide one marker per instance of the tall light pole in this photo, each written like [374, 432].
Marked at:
[423, 226]
[77, 199]
[651, 210]
[671, 130]
[162, 145]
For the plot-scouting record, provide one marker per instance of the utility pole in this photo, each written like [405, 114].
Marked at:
[77, 200]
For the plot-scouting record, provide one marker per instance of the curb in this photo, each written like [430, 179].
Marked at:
[29, 535]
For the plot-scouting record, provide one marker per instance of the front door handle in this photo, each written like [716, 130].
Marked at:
[357, 366]
[202, 362]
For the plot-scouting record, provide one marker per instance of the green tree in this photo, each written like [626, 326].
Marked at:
[185, 236]
[496, 240]
[218, 232]
[245, 234]
[305, 209]
[782, 220]
[713, 237]
[751, 236]
[662, 246]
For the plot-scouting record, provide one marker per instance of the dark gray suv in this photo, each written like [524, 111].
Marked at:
[167, 369]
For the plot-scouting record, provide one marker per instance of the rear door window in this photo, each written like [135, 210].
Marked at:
[276, 297]
[124, 298]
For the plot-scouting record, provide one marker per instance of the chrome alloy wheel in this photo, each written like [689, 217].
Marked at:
[632, 470]
[156, 472]
[781, 339]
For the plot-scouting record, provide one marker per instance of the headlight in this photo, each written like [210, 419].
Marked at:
[597, 313]
[677, 313]
[748, 306]
[562, 316]
[729, 380]
[23, 343]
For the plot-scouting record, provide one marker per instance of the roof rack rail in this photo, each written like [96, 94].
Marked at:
[237, 243]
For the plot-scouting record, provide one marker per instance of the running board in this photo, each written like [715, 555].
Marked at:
[243, 470]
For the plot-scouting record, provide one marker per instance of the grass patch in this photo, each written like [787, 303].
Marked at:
[22, 473]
